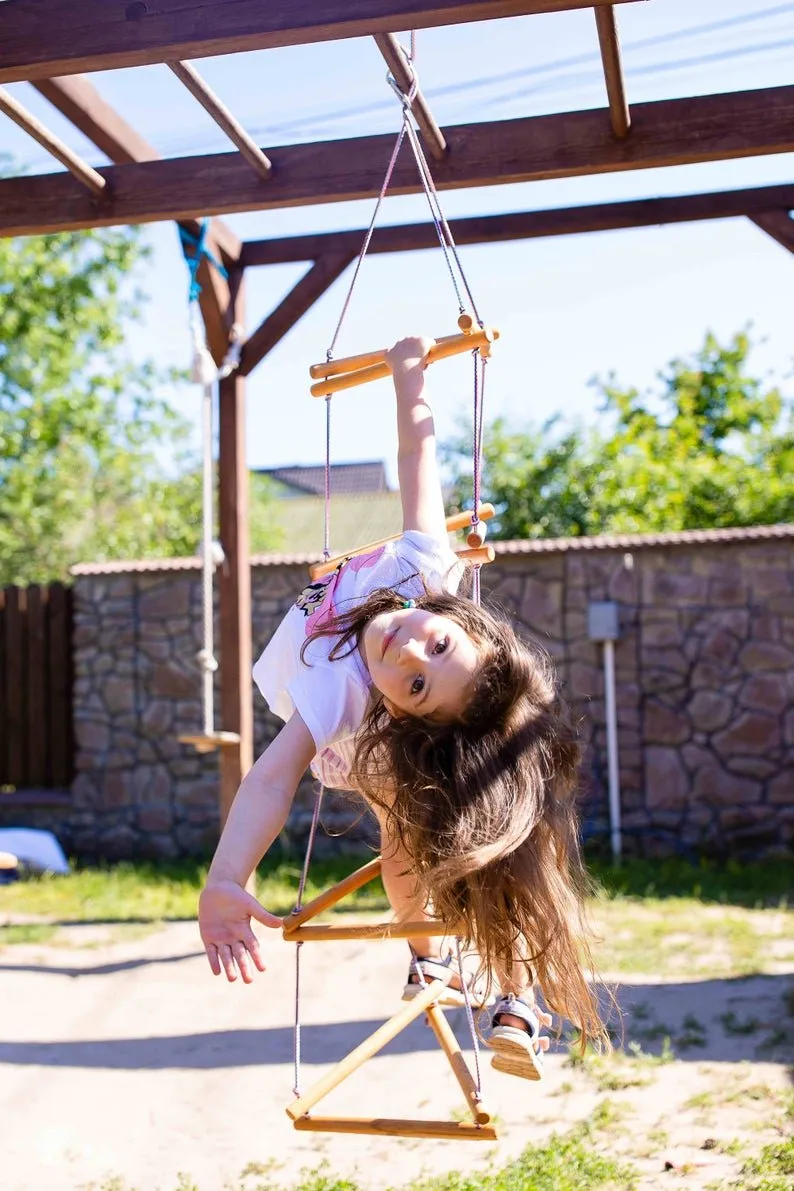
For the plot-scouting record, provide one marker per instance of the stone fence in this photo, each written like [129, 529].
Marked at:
[704, 691]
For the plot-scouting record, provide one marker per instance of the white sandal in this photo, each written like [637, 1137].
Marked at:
[424, 969]
[517, 1050]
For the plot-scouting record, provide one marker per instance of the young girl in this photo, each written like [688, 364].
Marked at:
[392, 684]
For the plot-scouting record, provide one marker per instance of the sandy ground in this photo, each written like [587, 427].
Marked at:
[123, 1058]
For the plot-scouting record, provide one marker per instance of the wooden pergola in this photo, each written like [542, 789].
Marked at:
[52, 43]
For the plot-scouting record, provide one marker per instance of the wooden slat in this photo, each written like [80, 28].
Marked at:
[777, 224]
[3, 694]
[403, 75]
[451, 1048]
[324, 901]
[234, 578]
[38, 728]
[301, 297]
[391, 1127]
[609, 42]
[331, 933]
[16, 685]
[60, 685]
[526, 225]
[79, 169]
[69, 36]
[190, 78]
[670, 132]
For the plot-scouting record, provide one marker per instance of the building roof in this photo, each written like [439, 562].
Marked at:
[347, 479]
[634, 541]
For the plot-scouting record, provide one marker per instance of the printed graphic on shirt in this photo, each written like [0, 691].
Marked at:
[311, 598]
[318, 602]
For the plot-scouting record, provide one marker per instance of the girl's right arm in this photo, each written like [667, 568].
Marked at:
[257, 816]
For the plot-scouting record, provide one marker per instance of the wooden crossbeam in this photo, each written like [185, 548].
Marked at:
[403, 76]
[192, 80]
[609, 42]
[388, 1127]
[526, 225]
[81, 170]
[300, 298]
[70, 36]
[670, 132]
[777, 224]
[78, 100]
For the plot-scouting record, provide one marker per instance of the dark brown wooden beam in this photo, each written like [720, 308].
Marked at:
[39, 40]
[301, 298]
[403, 75]
[525, 225]
[609, 42]
[77, 99]
[778, 224]
[671, 132]
[234, 577]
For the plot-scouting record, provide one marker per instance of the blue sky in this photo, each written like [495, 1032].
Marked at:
[568, 308]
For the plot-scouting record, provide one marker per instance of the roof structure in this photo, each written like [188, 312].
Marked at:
[53, 43]
[347, 479]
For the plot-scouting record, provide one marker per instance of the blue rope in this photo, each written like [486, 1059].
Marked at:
[201, 252]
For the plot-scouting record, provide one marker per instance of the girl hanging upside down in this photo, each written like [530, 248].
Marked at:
[451, 726]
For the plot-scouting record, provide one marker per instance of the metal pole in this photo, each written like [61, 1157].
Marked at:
[613, 768]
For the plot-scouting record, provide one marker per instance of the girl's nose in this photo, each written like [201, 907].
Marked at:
[412, 650]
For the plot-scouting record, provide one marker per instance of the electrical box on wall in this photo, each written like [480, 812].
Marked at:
[603, 621]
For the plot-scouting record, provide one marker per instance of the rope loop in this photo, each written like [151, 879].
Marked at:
[200, 252]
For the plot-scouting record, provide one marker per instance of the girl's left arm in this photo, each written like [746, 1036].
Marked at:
[417, 466]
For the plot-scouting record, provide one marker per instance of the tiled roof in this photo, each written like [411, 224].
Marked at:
[636, 541]
[347, 479]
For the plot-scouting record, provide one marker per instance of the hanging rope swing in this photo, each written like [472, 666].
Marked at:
[331, 377]
[205, 373]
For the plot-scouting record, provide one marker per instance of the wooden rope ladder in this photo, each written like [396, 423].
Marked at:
[298, 928]
[330, 377]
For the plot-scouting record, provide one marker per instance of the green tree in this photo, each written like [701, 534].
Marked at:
[93, 460]
[713, 448]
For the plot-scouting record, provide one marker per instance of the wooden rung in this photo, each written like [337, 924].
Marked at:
[460, 1069]
[348, 374]
[455, 522]
[477, 556]
[390, 1127]
[369, 1047]
[207, 743]
[364, 359]
[362, 876]
[326, 933]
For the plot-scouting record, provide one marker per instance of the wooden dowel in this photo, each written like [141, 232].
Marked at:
[454, 522]
[451, 345]
[189, 76]
[84, 173]
[369, 1047]
[365, 359]
[451, 1048]
[331, 933]
[390, 1127]
[609, 41]
[362, 876]
[403, 75]
[478, 556]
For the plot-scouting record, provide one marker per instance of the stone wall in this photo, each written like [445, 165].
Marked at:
[705, 692]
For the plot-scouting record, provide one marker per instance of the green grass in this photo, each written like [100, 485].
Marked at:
[30, 932]
[772, 1170]
[732, 884]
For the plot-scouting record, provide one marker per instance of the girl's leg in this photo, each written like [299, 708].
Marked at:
[401, 890]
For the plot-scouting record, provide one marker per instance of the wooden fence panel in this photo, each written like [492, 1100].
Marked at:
[36, 732]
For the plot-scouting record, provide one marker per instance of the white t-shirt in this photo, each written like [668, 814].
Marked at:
[332, 697]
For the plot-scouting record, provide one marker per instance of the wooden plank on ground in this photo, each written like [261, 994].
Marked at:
[70, 36]
[669, 132]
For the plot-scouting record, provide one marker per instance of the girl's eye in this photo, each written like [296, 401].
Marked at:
[441, 646]
[418, 685]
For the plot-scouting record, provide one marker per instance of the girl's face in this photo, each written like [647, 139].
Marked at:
[422, 663]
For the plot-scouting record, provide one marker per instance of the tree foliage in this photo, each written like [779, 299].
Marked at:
[93, 460]
[714, 447]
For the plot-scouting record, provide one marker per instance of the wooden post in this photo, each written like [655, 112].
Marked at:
[234, 576]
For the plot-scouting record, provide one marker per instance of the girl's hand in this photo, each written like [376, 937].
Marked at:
[225, 913]
[409, 354]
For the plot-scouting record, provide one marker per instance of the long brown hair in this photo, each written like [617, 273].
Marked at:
[486, 806]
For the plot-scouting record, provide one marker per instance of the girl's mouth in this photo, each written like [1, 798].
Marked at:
[387, 640]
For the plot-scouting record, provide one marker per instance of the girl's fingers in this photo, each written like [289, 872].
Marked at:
[243, 962]
[212, 956]
[252, 944]
[227, 961]
[543, 1043]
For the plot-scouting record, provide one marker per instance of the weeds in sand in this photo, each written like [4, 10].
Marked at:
[732, 1024]
[28, 932]
[772, 1170]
